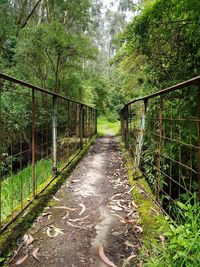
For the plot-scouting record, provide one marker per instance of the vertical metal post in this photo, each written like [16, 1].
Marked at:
[90, 119]
[54, 135]
[96, 121]
[159, 149]
[179, 155]
[122, 123]
[68, 131]
[1, 145]
[198, 136]
[33, 142]
[77, 123]
[126, 127]
[81, 125]
[141, 135]
[86, 123]
[171, 136]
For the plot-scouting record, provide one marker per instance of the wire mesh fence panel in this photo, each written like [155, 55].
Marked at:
[40, 133]
[162, 134]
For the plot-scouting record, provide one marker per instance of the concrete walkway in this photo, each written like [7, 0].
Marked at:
[91, 211]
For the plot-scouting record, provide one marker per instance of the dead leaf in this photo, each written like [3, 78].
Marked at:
[126, 261]
[75, 181]
[139, 228]
[121, 206]
[76, 226]
[45, 214]
[20, 261]
[131, 212]
[54, 229]
[162, 239]
[119, 194]
[154, 210]
[65, 208]
[49, 232]
[117, 233]
[78, 189]
[135, 205]
[139, 264]
[114, 207]
[34, 253]
[130, 190]
[83, 208]
[25, 238]
[66, 216]
[28, 239]
[128, 244]
[79, 219]
[104, 257]
[126, 220]
[56, 199]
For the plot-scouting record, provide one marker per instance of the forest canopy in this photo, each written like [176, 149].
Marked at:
[160, 47]
[101, 53]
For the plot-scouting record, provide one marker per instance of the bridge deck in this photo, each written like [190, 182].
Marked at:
[91, 209]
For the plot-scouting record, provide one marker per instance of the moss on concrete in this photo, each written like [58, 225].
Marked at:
[23, 223]
[152, 219]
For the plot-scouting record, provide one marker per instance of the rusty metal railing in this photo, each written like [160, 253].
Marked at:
[40, 133]
[162, 133]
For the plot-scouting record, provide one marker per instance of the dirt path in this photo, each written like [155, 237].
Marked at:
[93, 207]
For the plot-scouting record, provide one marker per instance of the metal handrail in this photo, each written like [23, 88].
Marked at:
[53, 140]
[40, 89]
[156, 131]
[170, 89]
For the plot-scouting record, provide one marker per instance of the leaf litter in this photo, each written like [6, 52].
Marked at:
[76, 226]
[56, 199]
[64, 208]
[127, 261]
[28, 239]
[21, 260]
[34, 254]
[83, 208]
[53, 231]
[79, 219]
[105, 258]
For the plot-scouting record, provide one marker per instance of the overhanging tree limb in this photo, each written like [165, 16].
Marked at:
[30, 14]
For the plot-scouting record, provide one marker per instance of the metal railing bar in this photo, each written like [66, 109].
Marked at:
[183, 85]
[31, 86]
[168, 178]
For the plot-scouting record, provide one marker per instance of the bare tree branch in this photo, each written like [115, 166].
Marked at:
[30, 14]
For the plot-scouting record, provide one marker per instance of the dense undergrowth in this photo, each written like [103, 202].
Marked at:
[181, 247]
[166, 242]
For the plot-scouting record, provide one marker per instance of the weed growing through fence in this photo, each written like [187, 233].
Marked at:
[182, 245]
[17, 188]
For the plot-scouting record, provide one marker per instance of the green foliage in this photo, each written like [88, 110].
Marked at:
[182, 246]
[160, 46]
[12, 194]
[53, 57]
[104, 126]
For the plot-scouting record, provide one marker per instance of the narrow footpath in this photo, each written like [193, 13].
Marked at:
[90, 220]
